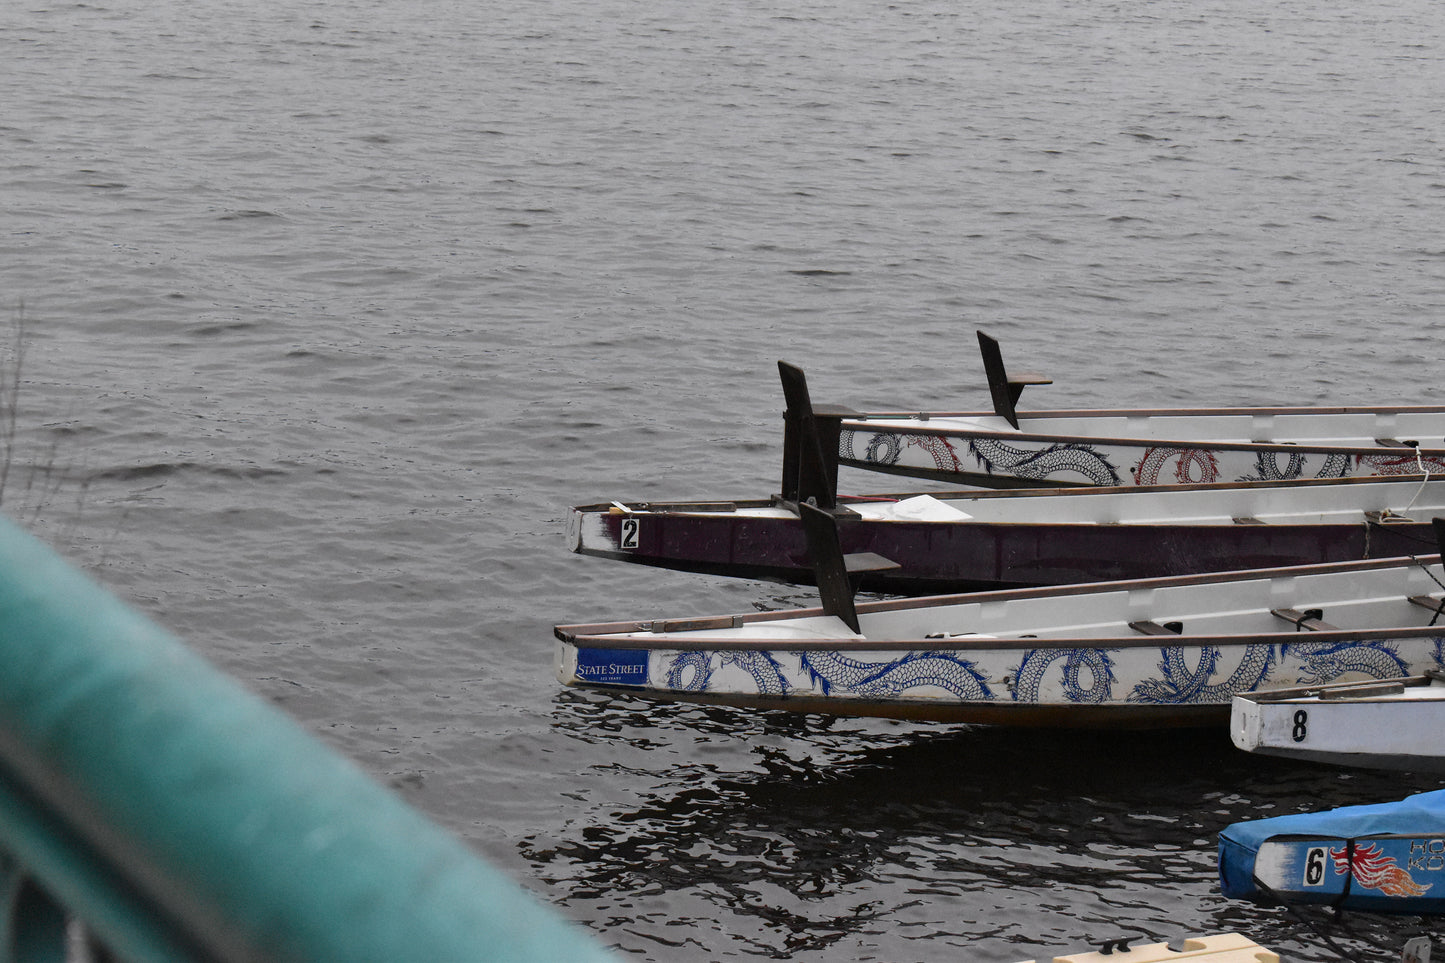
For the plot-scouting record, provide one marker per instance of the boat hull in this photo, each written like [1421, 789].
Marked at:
[1394, 724]
[937, 557]
[1386, 858]
[1136, 447]
[966, 541]
[1164, 651]
[1118, 683]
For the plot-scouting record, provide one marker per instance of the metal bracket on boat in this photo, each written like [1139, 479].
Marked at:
[810, 442]
[1119, 945]
[1005, 390]
[836, 573]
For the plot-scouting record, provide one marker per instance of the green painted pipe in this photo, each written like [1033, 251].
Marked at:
[41, 846]
[257, 841]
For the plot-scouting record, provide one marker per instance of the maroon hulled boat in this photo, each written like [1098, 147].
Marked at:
[962, 541]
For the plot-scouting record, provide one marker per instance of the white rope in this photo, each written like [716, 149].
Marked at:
[1424, 471]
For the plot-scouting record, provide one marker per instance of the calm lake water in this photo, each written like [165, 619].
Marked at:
[331, 310]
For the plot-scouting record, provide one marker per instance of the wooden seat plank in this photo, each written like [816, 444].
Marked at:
[1150, 627]
[1308, 620]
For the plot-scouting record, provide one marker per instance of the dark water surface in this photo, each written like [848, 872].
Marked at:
[332, 310]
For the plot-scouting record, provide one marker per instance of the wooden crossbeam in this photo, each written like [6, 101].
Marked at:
[1430, 602]
[1150, 627]
[1307, 620]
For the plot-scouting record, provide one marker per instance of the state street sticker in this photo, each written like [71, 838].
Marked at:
[612, 666]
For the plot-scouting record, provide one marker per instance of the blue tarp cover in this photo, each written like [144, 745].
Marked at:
[1388, 857]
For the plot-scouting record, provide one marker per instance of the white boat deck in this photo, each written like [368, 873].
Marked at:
[1362, 600]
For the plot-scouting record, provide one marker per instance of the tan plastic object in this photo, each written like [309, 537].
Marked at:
[1224, 948]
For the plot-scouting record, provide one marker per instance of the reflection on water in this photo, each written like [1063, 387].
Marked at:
[1010, 842]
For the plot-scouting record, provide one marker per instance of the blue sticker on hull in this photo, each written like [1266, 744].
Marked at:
[612, 666]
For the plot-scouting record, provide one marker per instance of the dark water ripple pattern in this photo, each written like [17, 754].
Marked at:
[332, 309]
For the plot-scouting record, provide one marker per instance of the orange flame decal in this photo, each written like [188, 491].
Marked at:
[1373, 870]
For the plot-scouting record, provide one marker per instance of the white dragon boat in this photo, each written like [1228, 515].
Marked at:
[1150, 652]
[1386, 724]
[1007, 448]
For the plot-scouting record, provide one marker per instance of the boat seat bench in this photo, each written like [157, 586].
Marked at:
[1150, 627]
[1308, 620]
[1430, 602]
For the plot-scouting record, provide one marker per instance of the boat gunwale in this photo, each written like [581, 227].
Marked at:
[673, 506]
[630, 636]
[1339, 694]
[1211, 513]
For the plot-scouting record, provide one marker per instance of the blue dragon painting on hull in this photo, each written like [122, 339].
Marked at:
[1078, 663]
[690, 672]
[833, 671]
[1320, 662]
[693, 671]
[1182, 685]
[1186, 675]
[1326, 661]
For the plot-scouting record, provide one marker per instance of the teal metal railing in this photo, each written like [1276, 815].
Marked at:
[151, 809]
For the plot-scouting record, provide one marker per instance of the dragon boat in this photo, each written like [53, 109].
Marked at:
[1006, 448]
[1147, 652]
[1388, 724]
[974, 540]
[1382, 858]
